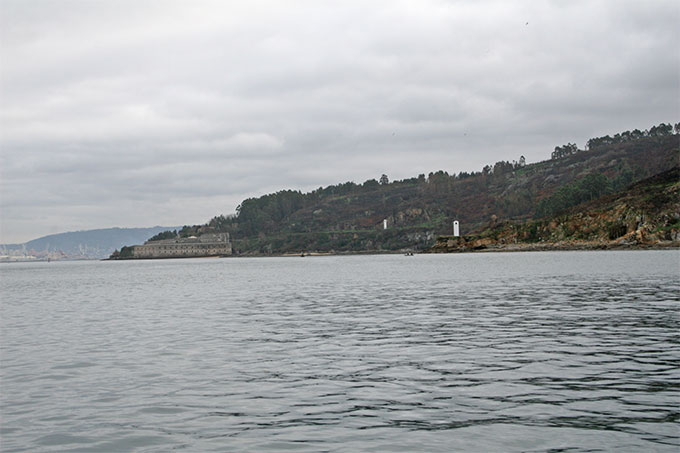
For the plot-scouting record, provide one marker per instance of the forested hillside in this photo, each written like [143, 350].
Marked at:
[349, 216]
[646, 214]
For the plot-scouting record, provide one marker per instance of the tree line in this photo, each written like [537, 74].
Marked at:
[661, 130]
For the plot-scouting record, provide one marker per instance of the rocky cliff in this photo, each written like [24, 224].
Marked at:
[647, 214]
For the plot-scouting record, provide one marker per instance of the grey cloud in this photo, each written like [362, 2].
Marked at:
[133, 114]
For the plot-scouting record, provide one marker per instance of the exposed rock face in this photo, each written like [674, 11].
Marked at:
[645, 215]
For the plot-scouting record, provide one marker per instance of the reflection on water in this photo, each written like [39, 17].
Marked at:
[485, 352]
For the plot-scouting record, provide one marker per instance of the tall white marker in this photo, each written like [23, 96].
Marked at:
[456, 231]
[385, 224]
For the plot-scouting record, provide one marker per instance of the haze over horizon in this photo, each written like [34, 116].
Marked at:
[134, 114]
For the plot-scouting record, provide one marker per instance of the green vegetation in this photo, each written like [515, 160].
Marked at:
[645, 214]
[125, 252]
[185, 232]
[188, 231]
[164, 235]
[584, 189]
[564, 151]
[662, 130]
[336, 241]
[349, 216]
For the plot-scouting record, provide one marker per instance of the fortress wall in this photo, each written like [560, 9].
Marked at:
[207, 245]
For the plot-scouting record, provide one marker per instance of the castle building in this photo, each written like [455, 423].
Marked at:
[201, 246]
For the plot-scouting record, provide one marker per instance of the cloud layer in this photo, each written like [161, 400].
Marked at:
[157, 112]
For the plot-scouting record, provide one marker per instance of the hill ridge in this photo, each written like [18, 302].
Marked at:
[349, 216]
[82, 244]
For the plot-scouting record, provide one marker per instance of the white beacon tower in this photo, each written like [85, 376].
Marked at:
[456, 230]
[385, 224]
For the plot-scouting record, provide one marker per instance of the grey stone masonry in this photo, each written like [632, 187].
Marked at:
[204, 245]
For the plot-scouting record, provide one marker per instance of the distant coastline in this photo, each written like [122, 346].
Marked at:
[621, 188]
[496, 248]
[76, 245]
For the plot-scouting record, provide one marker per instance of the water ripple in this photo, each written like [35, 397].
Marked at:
[505, 352]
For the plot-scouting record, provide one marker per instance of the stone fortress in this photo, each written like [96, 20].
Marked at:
[217, 244]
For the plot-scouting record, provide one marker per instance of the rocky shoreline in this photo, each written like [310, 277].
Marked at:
[645, 216]
[450, 244]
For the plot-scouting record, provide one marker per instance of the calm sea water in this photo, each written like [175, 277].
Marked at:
[569, 351]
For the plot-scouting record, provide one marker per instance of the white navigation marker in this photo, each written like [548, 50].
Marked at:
[456, 231]
[385, 224]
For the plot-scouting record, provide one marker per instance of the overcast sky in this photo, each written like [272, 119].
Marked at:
[143, 113]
